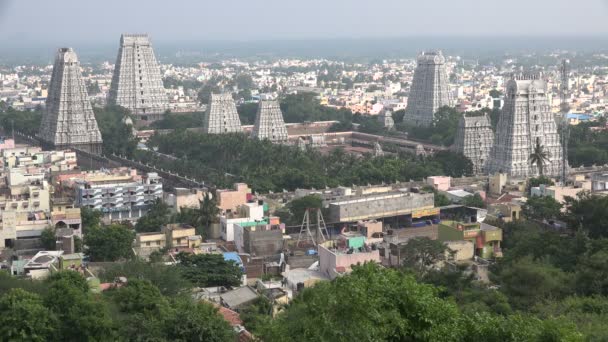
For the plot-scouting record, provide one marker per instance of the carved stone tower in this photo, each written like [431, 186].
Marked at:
[430, 89]
[221, 115]
[68, 120]
[137, 84]
[269, 123]
[385, 118]
[474, 139]
[526, 119]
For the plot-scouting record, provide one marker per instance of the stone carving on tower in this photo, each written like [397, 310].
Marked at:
[430, 89]
[474, 139]
[269, 123]
[378, 152]
[525, 119]
[136, 83]
[221, 115]
[385, 118]
[68, 120]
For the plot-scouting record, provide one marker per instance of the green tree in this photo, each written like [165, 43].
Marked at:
[117, 136]
[168, 279]
[454, 164]
[90, 218]
[147, 311]
[528, 282]
[539, 157]
[80, 315]
[298, 206]
[48, 239]
[156, 217]
[587, 211]
[441, 200]
[24, 317]
[73, 279]
[205, 270]
[541, 207]
[376, 304]
[474, 201]
[199, 322]
[247, 113]
[109, 243]
[420, 254]
[257, 315]
[536, 181]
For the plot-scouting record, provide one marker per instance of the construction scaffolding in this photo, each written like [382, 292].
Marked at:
[306, 229]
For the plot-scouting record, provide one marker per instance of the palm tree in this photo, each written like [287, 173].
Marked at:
[539, 157]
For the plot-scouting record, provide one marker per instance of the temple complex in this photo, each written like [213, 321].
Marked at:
[474, 139]
[269, 123]
[68, 120]
[430, 89]
[137, 84]
[221, 115]
[526, 119]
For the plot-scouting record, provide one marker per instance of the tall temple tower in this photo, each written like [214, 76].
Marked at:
[430, 89]
[474, 139]
[68, 120]
[269, 123]
[221, 115]
[137, 84]
[526, 119]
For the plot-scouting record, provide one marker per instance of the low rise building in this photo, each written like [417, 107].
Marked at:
[229, 200]
[179, 235]
[380, 205]
[337, 257]
[486, 238]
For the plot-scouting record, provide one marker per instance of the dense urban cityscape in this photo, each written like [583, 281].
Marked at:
[267, 197]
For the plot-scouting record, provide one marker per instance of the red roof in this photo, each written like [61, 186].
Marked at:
[230, 316]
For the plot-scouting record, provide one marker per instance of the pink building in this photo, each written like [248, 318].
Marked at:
[230, 200]
[334, 261]
[441, 183]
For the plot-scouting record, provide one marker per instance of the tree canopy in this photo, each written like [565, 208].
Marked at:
[109, 243]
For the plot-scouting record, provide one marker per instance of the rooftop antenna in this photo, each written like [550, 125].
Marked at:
[321, 233]
[564, 70]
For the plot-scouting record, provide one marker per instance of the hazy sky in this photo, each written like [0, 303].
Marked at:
[77, 21]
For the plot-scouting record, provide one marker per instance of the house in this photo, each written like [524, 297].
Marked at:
[337, 257]
[179, 235]
[238, 298]
[486, 238]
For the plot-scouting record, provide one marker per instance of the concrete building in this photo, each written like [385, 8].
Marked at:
[259, 240]
[487, 238]
[68, 119]
[136, 83]
[441, 183]
[179, 235]
[430, 89]
[269, 123]
[229, 200]
[526, 121]
[559, 193]
[336, 260]
[373, 206]
[248, 214]
[185, 198]
[474, 139]
[119, 194]
[221, 115]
